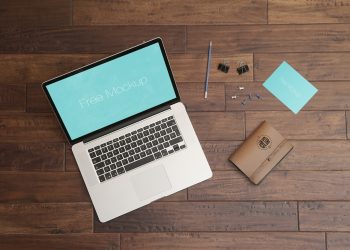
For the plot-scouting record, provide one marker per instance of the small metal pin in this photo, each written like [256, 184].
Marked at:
[258, 96]
[250, 96]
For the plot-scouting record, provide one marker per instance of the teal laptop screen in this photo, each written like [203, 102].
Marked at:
[112, 91]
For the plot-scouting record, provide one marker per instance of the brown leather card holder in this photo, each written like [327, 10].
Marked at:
[261, 152]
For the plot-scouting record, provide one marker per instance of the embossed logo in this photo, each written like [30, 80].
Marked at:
[264, 142]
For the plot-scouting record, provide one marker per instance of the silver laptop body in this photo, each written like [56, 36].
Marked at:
[131, 135]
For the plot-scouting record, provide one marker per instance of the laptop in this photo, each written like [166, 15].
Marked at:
[130, 134]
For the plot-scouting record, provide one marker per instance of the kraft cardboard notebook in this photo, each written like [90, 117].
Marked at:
[261, 152]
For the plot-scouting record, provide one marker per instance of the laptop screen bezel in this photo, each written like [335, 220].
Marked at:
[102, 61]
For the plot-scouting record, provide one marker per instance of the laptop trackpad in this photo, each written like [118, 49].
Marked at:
[151, 182]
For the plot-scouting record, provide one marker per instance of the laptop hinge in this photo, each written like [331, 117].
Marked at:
[126, 123]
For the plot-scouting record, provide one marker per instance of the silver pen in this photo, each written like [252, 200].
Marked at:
[208, 70]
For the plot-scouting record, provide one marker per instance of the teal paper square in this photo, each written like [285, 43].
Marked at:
[291, 88]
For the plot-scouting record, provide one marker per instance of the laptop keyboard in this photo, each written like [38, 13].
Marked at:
[137, 148]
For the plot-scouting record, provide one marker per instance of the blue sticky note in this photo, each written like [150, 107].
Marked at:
[291, 88]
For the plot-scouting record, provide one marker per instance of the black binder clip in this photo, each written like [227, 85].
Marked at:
[242, 68]
[224, 67]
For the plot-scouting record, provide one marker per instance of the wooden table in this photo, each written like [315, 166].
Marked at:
[302, 204]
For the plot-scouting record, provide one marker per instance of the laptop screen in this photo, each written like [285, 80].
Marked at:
[112, 91]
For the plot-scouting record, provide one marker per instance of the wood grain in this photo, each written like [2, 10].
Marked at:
[236, 240]
[88, 241]
[331, 95]
[192, 67]
[324, 216]
[306, 155]
[338, 241]
[36, 99]
[313, 66]
[218, 125]
[42, 187]
[36, 13]
[32, 157]
[44, 203]
[187, 68]
[169, 12]
[317, 155]
[269, 38]
[305, 125]
[192, 95]
[90, 39]
[12, 97]
[218, 152]
[10, 34]
[46, 218]
[30, 128]
[71, 164]
[278, 185]
[305, 11]
[213, 216]
[32, 68]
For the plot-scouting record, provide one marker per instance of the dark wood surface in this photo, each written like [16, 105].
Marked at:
[304, 203]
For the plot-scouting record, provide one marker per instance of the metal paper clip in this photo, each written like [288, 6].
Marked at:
[224, 67]
[242, 68]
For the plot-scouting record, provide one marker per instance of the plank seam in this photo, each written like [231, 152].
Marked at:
[346, 125]
[298, 216]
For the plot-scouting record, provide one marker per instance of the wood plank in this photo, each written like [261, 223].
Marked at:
[32, 156]
[278, 185]
[12, 97]
[71, 166]
[46, 218]
[178, 196]
[305, 125]
[86, 241]
[338, 241]
[332, 95]
[304, 11]
[324, 216]
[169, 12]
[90, 39]
[36, 68]
[236, 240]
[218, 125]
[306, 155]
[313, 66]
[30, 128]
[192, 67]
[10, 33]
[31, 68]
[317, 155]
[42, 187]
[218, 152]
[192, 95]
[213, 216]
[269, 38]
[36, 13]
[36, 99]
